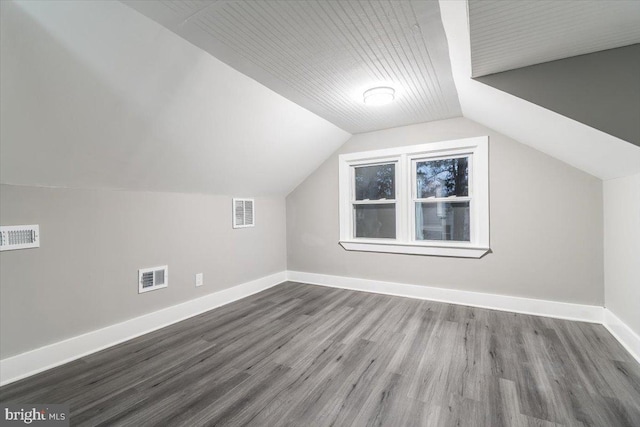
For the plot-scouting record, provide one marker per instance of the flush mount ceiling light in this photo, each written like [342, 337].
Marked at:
[379, 95]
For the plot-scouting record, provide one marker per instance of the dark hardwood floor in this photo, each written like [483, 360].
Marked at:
[305, 355]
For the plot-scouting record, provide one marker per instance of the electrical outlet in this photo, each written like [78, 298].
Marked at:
[199, 279]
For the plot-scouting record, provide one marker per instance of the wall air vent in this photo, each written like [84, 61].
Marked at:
[150, 279]
[243, 213]
[19, 237]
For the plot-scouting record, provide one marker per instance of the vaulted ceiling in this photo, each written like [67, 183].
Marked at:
[324, 54]
[95, 95]
[577, 58]
[599, 89]
[248, 98]
[575, 143]
[512, 34]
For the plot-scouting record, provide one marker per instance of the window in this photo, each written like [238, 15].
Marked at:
[374, 207]
[430, 199]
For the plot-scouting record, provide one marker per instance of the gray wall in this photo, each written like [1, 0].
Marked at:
[622, 249]
[84, 275]
[601, 89]
[90, 104]
[546, 224]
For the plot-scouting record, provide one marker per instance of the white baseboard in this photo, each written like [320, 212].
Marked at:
[623, 333]
[561, 310]
[50, 356]
[47, 357]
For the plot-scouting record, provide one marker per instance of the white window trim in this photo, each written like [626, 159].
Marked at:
[405, 243]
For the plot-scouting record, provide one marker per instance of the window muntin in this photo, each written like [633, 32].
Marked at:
[440, 203]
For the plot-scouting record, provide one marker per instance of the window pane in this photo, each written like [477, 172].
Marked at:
[376, 182]
[443, 221]
[375, 221]
[442, 178]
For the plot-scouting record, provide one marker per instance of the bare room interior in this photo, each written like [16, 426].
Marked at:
[320, 213]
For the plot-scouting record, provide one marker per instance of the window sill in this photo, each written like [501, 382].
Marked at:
[445, 250]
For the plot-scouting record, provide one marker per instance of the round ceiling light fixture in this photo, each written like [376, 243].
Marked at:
[379, 95]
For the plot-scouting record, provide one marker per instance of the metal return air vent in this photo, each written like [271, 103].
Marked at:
[150, 279]
[19, 237]
[243, 213]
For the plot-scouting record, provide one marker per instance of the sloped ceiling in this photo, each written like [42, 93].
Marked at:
[600, 89]
[511, 34]
[324, 54]
[582, 146]
[94, 95]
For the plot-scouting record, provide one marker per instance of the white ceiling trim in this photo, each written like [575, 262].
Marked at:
[579, 145]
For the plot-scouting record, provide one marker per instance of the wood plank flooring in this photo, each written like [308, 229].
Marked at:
[302, 355]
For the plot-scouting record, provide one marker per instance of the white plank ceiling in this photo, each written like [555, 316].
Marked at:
[323, 55]
[511, 34]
